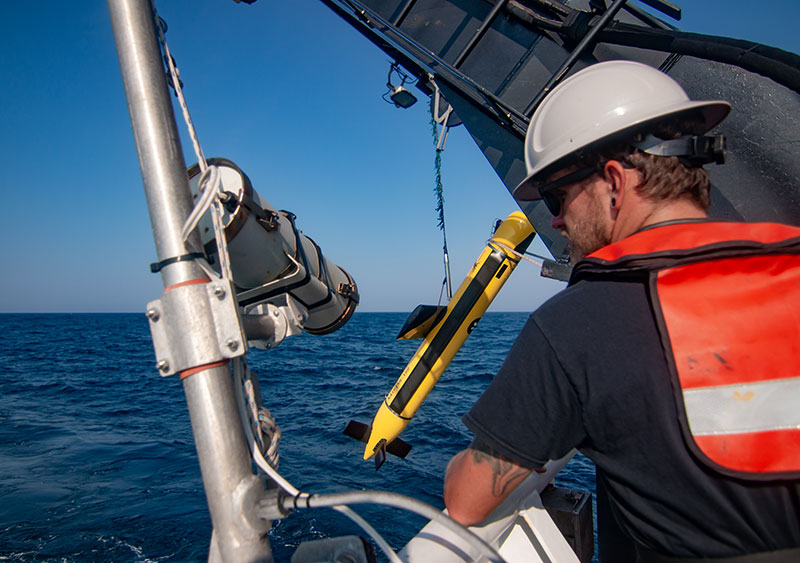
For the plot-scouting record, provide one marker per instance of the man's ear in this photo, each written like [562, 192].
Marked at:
[618, 182]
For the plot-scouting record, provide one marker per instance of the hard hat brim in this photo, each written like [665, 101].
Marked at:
[713, 112]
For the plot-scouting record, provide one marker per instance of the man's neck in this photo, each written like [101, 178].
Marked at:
[674, 211]
[649, 213]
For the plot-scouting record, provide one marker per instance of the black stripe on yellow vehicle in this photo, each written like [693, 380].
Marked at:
[451, 324]
[444, 333]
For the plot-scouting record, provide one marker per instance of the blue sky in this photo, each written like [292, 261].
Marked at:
[290, 93]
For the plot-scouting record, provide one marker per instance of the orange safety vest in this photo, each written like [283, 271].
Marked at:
[726, 298]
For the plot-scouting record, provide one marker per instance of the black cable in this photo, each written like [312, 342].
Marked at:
[776, 64]
[398, 501]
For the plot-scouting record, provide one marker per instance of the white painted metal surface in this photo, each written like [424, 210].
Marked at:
[520, 528]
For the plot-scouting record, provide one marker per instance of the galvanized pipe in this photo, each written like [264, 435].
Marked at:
[231, 488]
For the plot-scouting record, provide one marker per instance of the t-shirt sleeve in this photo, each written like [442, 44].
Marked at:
[530, 412]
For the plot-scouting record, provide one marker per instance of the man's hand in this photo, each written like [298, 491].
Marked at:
[477, 480]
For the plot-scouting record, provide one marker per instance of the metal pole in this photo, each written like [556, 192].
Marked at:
[231, 488]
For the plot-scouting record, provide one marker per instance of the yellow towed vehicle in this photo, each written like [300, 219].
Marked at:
[444, 330]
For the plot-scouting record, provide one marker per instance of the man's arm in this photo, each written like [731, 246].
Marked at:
[477, 480]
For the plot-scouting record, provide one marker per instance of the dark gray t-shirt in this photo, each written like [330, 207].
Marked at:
[588, 372]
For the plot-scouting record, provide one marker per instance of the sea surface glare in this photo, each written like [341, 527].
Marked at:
[97, 459]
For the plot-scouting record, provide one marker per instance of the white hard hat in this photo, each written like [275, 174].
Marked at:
[612, 100]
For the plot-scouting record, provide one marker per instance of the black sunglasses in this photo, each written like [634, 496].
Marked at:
[551, 198]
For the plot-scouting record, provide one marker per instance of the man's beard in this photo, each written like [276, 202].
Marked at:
[587, 236]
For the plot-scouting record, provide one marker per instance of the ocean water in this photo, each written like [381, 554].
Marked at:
[97, 460]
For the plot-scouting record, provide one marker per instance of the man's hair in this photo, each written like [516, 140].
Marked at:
[664, 178]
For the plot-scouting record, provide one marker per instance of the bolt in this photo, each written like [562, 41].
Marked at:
[163, 365]
[232, 344]
[152, 314]
[219, 291]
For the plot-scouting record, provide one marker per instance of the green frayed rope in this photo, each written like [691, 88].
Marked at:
[438, 189]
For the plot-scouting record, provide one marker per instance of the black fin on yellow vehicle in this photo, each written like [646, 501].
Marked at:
[361, 432]
[379, 454]
[421, 320]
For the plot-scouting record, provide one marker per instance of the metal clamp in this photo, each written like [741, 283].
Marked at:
[348, 290]
[267, 218]
[182, 340]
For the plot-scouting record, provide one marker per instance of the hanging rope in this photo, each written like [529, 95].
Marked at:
[216, 214]
[439, 191]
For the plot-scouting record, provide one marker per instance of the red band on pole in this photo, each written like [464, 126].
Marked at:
[191, 371]
[190, 282]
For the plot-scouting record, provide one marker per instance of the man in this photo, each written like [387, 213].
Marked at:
[655, 360]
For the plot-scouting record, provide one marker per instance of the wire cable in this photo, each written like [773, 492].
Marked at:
[298, 499]
[216, 215]
[776, 64]
[398, 501]
[339, 501]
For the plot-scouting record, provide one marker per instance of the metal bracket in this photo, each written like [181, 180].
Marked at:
[267, 218]
[347, 290]
[556, 270]
[287, 320]
[246, 500]
[444, 118]
[180, 337]
[276, 286]
[270, 506]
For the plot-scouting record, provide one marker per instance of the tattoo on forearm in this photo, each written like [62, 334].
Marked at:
[505, 474]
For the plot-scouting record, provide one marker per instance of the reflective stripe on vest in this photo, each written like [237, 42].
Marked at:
[727, 300]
